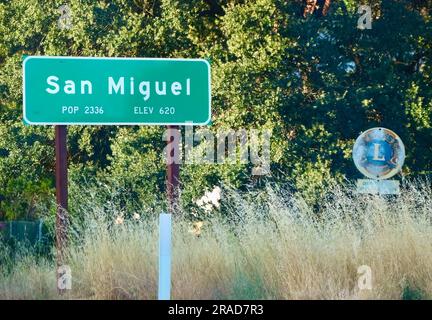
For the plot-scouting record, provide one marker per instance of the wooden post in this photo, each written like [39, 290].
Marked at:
[61, 194]
[172, 181]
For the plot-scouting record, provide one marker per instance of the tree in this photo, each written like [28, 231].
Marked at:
[315, 81]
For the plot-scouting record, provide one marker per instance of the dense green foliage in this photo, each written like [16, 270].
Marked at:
[316, 82]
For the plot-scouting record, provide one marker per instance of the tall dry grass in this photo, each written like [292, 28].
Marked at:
[273, 246]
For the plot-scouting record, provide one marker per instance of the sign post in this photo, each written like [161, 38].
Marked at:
[61, 195]
[173, 178]
[63, 91]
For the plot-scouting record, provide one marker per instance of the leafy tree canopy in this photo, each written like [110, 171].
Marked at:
[315, 81]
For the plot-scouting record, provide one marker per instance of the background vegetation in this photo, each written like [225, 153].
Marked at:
[317, 82]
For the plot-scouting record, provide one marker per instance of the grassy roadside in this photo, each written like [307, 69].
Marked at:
[274, 246]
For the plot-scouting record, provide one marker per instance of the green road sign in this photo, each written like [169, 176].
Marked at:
[115, 91]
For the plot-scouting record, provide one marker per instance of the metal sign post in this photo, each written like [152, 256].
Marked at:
[172, 179]
[61, 194]
[172, 191]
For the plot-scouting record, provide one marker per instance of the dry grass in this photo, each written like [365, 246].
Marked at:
[273, 247]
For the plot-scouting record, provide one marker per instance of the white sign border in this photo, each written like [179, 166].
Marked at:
[28, 122]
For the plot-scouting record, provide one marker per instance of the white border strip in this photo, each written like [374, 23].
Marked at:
[164, 292]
